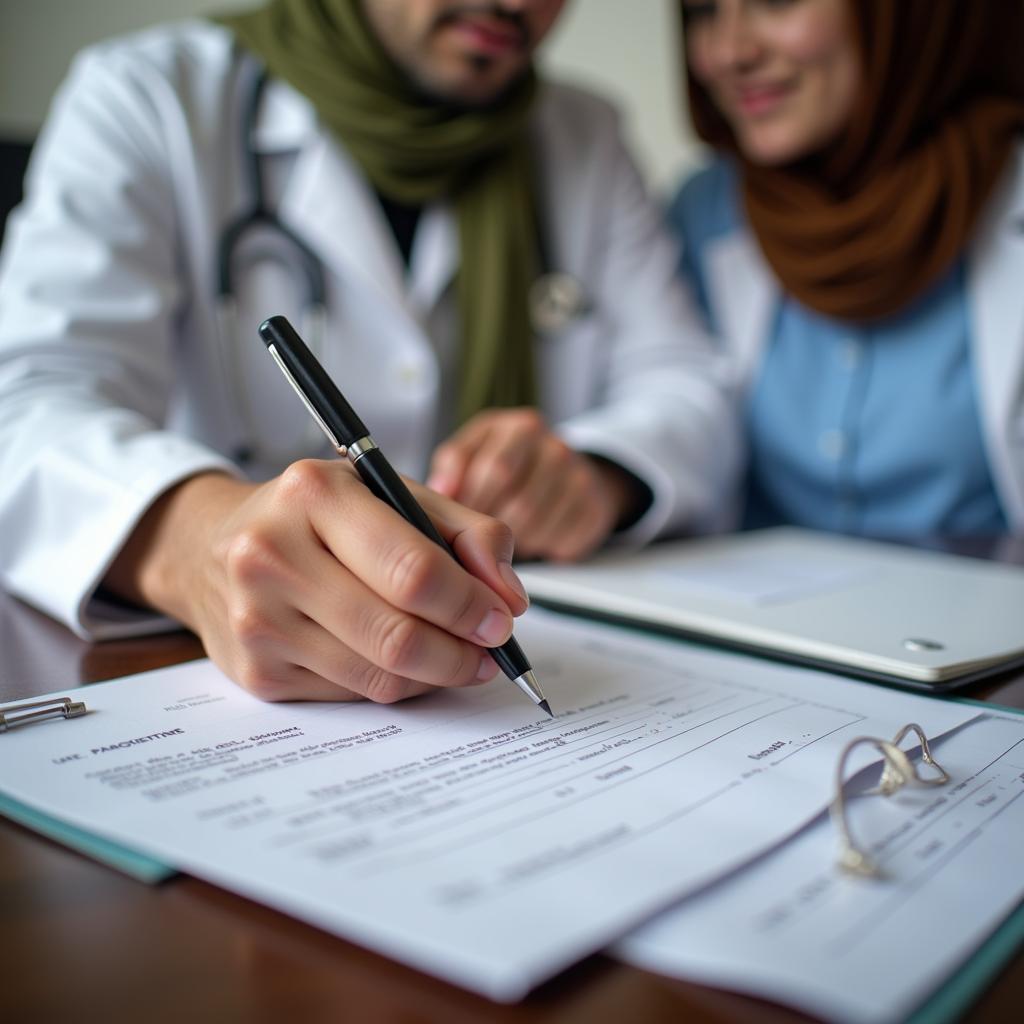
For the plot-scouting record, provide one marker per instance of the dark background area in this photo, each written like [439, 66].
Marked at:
[13, 160]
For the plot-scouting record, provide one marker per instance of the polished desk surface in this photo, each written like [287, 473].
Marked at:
[80, 941]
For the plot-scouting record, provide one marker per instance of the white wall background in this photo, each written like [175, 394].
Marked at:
[627, 49]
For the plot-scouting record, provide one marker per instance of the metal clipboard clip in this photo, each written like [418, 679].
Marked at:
[34, 711]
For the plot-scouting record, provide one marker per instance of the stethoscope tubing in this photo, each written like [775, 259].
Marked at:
[556, 298]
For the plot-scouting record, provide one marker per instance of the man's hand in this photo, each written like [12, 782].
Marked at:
[309, 587]
[559, 503]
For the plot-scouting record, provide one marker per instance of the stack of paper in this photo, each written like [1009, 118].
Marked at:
[867, 951]
[464, 834]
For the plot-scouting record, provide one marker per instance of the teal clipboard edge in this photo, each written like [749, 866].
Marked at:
[969, 982]
[130, 862]
[955, 996]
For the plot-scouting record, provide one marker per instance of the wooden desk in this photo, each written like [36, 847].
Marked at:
[81, 942]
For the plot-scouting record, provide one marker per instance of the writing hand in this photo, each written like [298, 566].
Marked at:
[560, 504]
[309, 587]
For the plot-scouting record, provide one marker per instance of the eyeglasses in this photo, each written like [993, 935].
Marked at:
[897, 771]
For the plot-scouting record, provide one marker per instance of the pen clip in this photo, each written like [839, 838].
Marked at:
[20, 714]
[335, 443]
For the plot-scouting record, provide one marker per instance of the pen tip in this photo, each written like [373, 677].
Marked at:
[547, 707]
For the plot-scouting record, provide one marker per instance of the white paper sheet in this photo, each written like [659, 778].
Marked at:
[467, 834]
[792, 928]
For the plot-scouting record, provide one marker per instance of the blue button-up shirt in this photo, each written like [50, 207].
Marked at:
[852, 428]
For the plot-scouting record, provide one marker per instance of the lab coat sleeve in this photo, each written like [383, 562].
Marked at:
[88, 299]
[668, 411]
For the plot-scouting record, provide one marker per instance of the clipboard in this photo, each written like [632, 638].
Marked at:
[959, 992]
[964, 987]
[944, 1005]
[122, 858]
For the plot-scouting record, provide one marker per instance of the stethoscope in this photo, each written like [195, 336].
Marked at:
[556, 299]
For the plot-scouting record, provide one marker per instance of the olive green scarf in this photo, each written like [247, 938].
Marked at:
[415, 151]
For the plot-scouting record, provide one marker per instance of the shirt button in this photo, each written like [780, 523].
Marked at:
[409, 373]
[832, 444]
[852, 353]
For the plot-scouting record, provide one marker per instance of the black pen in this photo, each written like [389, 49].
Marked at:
[350, 439]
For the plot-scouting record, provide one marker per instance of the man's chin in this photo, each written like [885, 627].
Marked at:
[478, 86]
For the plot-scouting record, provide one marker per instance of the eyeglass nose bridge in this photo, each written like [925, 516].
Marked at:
[898, 769]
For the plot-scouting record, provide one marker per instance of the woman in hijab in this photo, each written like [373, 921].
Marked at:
[857, 245]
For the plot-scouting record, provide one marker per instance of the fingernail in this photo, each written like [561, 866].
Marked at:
[494, 629]
[488, 669]
[439, 482]
[508, 574]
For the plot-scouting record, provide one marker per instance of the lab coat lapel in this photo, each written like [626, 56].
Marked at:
[326, 200]
[742, 294]
[996, 307]
[330, 204]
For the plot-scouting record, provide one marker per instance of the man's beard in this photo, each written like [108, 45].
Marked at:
[481, 63]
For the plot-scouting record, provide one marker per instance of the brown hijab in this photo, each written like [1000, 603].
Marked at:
[861, 230]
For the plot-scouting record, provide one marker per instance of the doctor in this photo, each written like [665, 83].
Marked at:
[394, 169]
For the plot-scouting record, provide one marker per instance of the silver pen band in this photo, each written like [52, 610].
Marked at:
[357, 449]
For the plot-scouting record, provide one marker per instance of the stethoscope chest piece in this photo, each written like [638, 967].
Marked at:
[556, 300]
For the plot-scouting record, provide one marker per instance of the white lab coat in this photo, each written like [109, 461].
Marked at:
[115, 383]
[743, 294]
